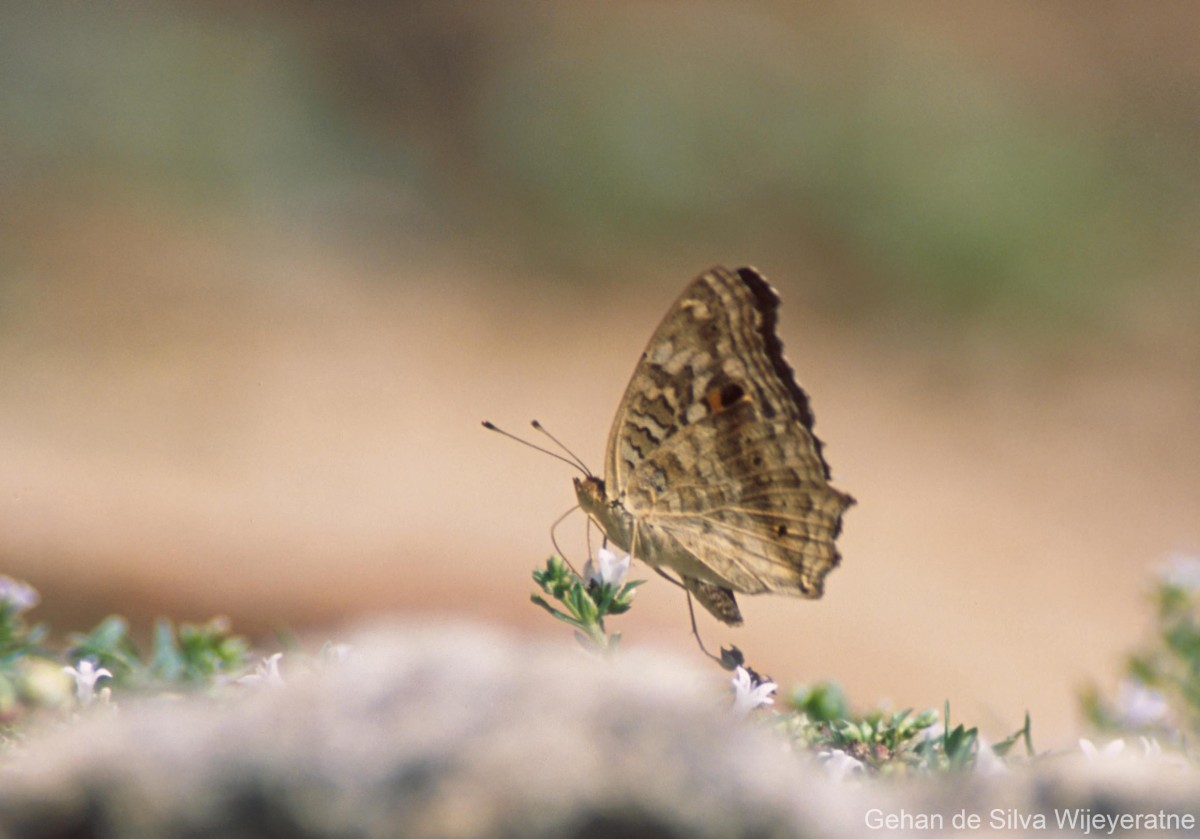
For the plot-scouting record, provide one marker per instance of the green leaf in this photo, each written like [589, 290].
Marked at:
[624, 598]
[1023, 733]
[562, 616]
[583, 606]
[602, 596]
[823, 702]
[166, 662]
[210, 648]
[110, 645]
[960, 746]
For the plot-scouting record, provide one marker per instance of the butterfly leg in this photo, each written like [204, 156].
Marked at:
[554, 541]
[695, 630]
[691, 612]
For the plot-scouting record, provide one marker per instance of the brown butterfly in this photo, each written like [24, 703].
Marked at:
[712, 469]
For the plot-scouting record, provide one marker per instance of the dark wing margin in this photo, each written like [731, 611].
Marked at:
[653, 393]
[768, 305]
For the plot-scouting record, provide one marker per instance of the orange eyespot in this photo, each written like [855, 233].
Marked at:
[718, 399]
[713, 398]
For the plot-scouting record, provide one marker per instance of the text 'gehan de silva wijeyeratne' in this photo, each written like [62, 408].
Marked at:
[1081, 820]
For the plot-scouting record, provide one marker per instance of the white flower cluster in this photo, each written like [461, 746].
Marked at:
[266, 674]
[86, 674]
[608, 569]
[749, 694]
[18, 596]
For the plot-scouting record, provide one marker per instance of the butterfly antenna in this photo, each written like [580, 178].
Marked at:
[490, 427]
[537, 426]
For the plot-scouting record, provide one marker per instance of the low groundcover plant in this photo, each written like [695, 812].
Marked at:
[1157, 703]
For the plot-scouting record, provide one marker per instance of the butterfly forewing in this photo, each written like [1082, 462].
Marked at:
[712, 450]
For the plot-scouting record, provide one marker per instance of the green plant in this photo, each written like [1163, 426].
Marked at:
[1159, 694]
[589, 599]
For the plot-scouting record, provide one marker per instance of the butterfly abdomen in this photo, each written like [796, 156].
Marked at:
[719, 601]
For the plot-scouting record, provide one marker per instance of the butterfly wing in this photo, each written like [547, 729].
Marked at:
[713, 444]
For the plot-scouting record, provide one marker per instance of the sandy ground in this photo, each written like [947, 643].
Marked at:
[190, 427]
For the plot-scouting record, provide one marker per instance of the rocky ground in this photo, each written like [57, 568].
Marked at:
[451, 730]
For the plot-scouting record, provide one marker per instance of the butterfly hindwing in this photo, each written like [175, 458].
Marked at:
[712, 456]
[747, 508]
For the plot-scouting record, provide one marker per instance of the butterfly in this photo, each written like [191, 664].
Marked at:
[712, 469]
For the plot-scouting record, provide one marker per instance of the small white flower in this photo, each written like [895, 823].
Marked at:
[1181, 571]
[86, 674]
[18, 596]
[336, 653]
[838, 764]
[1139, 705]
[1152, 751]
[266, 673]
[1109, 752]
[608, 569]
[987, 762]
[747, 695]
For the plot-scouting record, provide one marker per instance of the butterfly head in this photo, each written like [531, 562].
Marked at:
[591, 494]
[613, 519]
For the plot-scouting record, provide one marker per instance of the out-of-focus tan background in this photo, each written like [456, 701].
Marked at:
[265, 266]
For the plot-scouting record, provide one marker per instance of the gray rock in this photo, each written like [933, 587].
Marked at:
[439, 731]
[451, 731]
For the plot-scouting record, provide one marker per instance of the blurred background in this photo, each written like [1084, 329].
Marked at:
[264, 266]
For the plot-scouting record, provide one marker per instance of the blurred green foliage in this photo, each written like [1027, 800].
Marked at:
[1159, 696]
[884, 155]
[192, 656]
